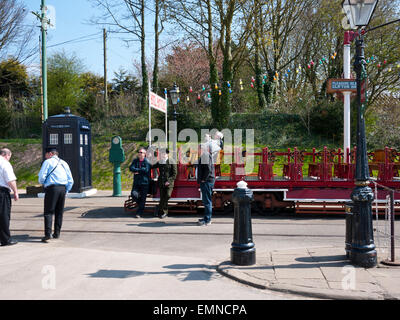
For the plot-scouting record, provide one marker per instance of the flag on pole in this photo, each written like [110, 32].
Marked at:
[158, 103]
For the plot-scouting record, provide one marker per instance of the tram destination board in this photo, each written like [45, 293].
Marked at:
[340, 85]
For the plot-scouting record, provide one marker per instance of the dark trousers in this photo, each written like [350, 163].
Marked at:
[54, 201]
[5, 212]
[139, 194]
[206, 189]
[165, 195]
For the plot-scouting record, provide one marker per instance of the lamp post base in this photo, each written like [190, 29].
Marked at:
[243, 257]
[365, 259]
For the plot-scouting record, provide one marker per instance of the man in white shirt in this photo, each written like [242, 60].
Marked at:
[215, 145]
[7, 183]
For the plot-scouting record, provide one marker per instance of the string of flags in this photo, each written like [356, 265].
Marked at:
[205, 89]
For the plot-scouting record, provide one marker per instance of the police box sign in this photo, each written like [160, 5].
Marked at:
[341, 85]
[60, 126]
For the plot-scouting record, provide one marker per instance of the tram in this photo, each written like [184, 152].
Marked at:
[305, 182]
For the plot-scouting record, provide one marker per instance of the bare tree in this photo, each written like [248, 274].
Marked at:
[286, 26]
[127, 17]
[216, 25]
[195, 18]
[14, 34]
[159, 19]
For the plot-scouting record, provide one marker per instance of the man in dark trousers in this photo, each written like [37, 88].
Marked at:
[141, 180]
[56, 178]
[7, 183]
[166, 180]
[206, 180]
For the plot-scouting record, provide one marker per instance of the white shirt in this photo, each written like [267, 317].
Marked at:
[6, 173]
[214, 148]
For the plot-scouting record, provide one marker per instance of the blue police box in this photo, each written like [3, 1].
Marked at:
[71, 135]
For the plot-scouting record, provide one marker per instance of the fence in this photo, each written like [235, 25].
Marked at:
[385, 229]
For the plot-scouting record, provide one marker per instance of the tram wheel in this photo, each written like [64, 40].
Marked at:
[227, 208]
[266, 211]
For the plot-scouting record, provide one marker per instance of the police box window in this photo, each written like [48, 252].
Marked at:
[81, 138]
[53, 138]
[86, 139]
[67, 138]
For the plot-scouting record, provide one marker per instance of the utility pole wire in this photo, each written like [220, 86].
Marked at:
[76, 40]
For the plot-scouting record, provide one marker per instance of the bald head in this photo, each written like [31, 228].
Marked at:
[5, 152]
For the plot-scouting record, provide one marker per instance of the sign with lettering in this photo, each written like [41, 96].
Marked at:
[158, 103]
[340, 85]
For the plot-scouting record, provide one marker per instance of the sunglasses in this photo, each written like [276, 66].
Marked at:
[141, 152]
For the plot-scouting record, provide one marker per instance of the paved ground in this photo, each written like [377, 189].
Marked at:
[105, 253]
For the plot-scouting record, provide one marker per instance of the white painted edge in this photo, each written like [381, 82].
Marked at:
[84, 194]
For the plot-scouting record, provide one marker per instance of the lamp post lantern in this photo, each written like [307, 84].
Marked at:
[174, 95]
[362, 247]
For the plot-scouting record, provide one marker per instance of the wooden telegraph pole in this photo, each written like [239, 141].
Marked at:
[105, 66]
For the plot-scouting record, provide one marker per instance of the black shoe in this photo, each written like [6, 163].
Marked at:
[162, 216]
[56, 235]
[46, 239]
[9, 243]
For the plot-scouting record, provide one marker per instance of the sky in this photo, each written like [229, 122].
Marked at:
[72, 23]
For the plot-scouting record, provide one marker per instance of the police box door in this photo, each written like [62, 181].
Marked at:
[85, 158]
[62, 139]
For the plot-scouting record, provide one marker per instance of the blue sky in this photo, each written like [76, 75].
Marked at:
[72, 23]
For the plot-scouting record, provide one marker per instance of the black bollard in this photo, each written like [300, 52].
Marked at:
[243, 252]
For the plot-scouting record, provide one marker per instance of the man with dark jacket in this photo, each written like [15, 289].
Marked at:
[167, 175]
[141, 180]
[206, 180]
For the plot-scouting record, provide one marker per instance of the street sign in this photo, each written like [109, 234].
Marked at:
[158, 103]
[340, 85]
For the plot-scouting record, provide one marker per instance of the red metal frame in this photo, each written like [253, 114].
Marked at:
[327, 169]
[326, 186]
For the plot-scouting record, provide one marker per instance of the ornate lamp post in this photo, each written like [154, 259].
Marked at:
[362, 251]
[174, 96]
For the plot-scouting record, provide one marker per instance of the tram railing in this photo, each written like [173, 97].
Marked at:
[294, 164]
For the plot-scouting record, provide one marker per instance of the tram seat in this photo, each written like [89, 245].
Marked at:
[317, 170]
[344, 170]
[378, 160]
[293, 171]
[218, 163]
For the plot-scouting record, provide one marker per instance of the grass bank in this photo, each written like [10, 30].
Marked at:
[27, 159]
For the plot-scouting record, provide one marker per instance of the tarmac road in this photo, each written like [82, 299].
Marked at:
[105, 253]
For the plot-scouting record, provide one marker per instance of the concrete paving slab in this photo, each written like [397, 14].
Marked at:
[296, 272]
[371, 288]
[306, 283]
